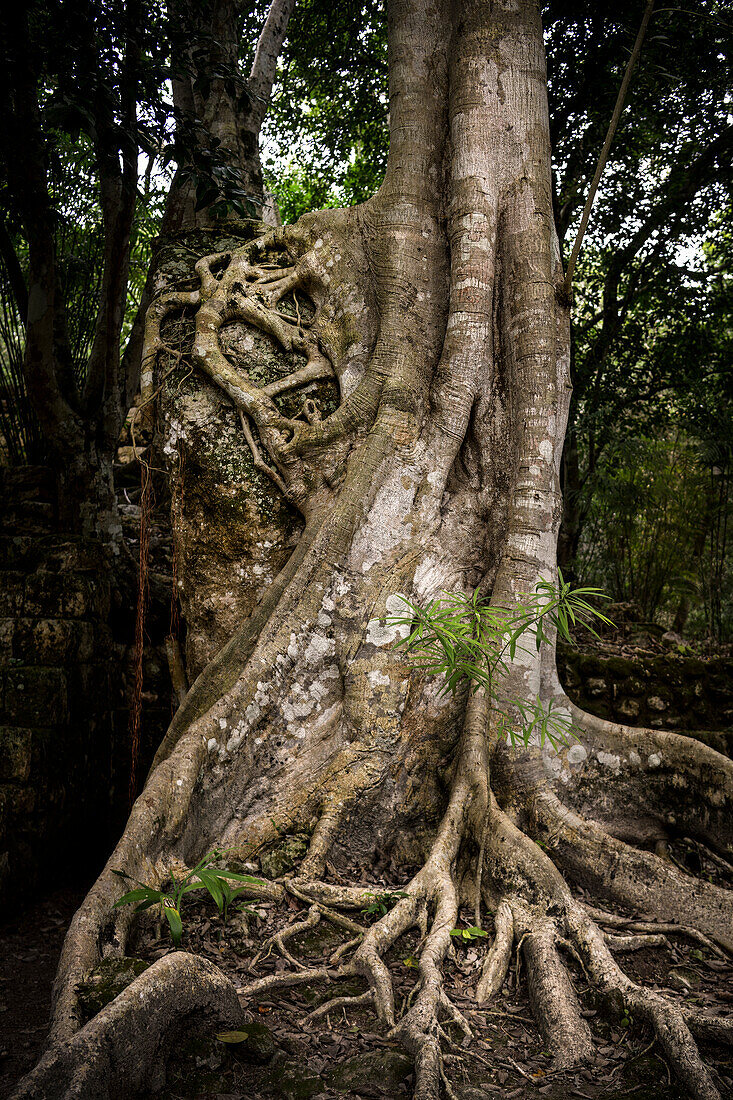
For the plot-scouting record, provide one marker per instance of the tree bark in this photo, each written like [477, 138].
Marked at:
[434, 310]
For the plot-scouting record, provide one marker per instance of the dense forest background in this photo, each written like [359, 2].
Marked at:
[93, 141]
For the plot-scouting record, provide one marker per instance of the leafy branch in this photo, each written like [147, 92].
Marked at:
[468, 639]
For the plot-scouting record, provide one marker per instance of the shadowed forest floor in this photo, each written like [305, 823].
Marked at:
[30, 945]
[344, 1054]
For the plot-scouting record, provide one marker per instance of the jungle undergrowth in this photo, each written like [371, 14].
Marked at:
[206, 875]
[508, 1052]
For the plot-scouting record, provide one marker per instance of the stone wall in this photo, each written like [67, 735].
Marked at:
[660, 690]
[66, 626]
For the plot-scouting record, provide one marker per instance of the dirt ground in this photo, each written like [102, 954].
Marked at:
[344, 1053]
[30, 945]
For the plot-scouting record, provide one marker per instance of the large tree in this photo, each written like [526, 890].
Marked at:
[435, 308]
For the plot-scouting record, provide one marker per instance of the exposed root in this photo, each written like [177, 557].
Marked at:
[682, 776]
[711, 855]
[330, 894]
[665, 1017]
[628, 875]
[324, 834]
[344, 948]
[653, 927]
[315, 913]
[446, 1083]
[554, 1001]
[499, 956]
[284, 979]
[278, 940]
[712, 1029]
[516, 870]
[341, 1002]
[330, 914]
[122, 1051]
[620, 944]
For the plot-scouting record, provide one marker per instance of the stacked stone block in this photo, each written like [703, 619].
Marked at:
[59, 688]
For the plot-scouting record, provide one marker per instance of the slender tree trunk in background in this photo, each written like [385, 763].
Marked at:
[219, 116]
[80, 424]
[433, 309]
[571, 526]
[683, 608]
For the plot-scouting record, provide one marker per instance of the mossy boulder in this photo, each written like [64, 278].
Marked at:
[374, 1073]
[295, 1081]
[284, 855]
[259, 1045]
[106, 981]
[621, 666]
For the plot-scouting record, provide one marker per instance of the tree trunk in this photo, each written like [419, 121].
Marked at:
[433, 309]
[218, 115]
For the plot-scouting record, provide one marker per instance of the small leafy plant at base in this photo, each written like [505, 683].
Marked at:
[468, 934]
[381, 904]
[204, 876]
[467, 639]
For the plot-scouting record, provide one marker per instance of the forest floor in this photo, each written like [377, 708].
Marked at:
[30, 945]
[286, 1056]
[344, 1053]
[282, 1055]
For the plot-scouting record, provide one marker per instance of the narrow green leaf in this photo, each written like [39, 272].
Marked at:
[173, 917]
[211, 883]
[140, 894]
[146, 905]
[232, 1036]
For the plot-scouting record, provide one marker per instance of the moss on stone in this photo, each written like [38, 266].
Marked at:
[620, 666]
[294, 1081]
[283, 855]
[106, 982]
[388, 1067]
